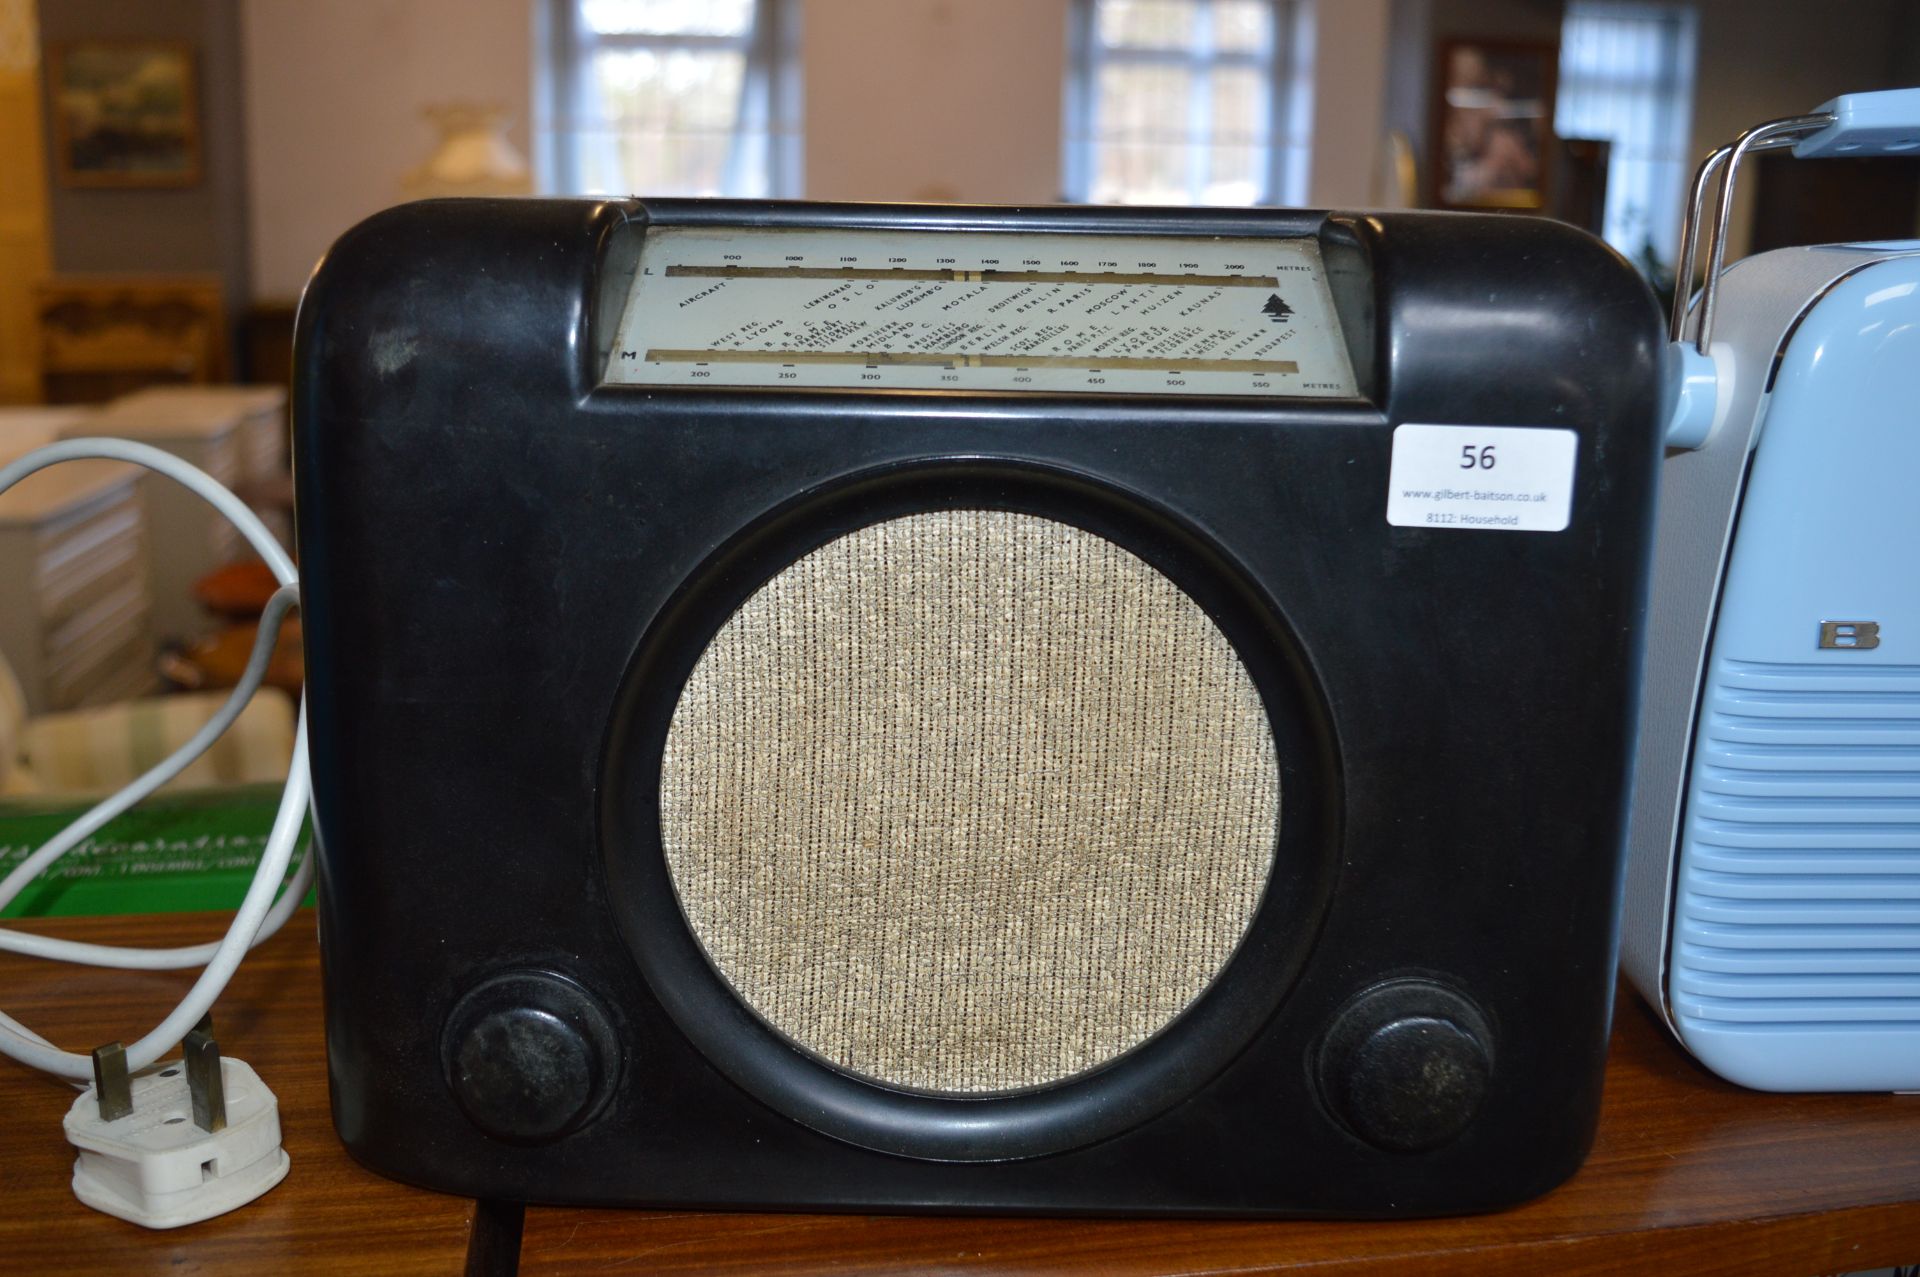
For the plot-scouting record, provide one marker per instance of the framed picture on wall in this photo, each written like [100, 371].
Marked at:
[125, 113]
[1493, 124]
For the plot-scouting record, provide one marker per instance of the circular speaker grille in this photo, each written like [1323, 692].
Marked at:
[969, 801]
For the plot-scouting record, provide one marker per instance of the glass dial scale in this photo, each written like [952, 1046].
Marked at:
[931, 310]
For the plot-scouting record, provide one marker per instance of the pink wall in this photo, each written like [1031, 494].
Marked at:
[333, 98]
[933, 99]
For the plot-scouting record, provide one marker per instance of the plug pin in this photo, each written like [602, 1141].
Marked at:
[111, 1084]
[204, 1082]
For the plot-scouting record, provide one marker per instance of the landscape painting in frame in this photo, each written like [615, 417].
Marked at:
[125, 113]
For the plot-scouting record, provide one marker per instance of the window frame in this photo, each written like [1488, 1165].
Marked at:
[565, 47]
[1673, 86]
[1285, 67]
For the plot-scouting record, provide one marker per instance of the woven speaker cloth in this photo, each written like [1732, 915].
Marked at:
[969, 801]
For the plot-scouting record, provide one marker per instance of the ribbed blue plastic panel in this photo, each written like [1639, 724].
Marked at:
[1799, 896]
[1794, 962]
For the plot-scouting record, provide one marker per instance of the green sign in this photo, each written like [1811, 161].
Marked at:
[173, 853]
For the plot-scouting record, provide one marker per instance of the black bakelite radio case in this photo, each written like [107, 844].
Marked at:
[509, 568]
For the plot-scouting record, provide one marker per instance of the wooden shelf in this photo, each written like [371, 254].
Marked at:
[1689, 1173]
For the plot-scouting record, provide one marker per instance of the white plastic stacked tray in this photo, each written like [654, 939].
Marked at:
[259, 411]
[237, 434]
[77, 625]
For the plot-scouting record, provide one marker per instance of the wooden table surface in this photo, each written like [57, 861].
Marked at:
[1689, 1173]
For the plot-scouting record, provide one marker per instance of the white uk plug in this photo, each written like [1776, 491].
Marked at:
[157, 1167]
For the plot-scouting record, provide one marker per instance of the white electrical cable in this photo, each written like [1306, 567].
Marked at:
[260, 914]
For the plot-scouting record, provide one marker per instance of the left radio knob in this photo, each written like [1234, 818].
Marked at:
[530, 1056]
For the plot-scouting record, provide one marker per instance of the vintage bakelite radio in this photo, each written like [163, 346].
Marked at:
[972, 709]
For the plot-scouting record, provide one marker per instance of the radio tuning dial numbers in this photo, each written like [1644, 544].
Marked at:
[1406, 1065]
[968, 310]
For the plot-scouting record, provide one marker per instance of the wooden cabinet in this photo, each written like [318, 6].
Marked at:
[105, 335]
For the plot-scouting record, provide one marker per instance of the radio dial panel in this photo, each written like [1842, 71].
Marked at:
[941, 310]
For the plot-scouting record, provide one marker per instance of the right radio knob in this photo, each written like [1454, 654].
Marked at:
[1406, 1065]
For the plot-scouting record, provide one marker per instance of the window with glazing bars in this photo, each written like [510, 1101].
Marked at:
[669, 97]
[1188, 102]
[1626, 75]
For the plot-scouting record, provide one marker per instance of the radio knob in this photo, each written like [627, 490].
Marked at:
[1406, 1065]
[530, 1056]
